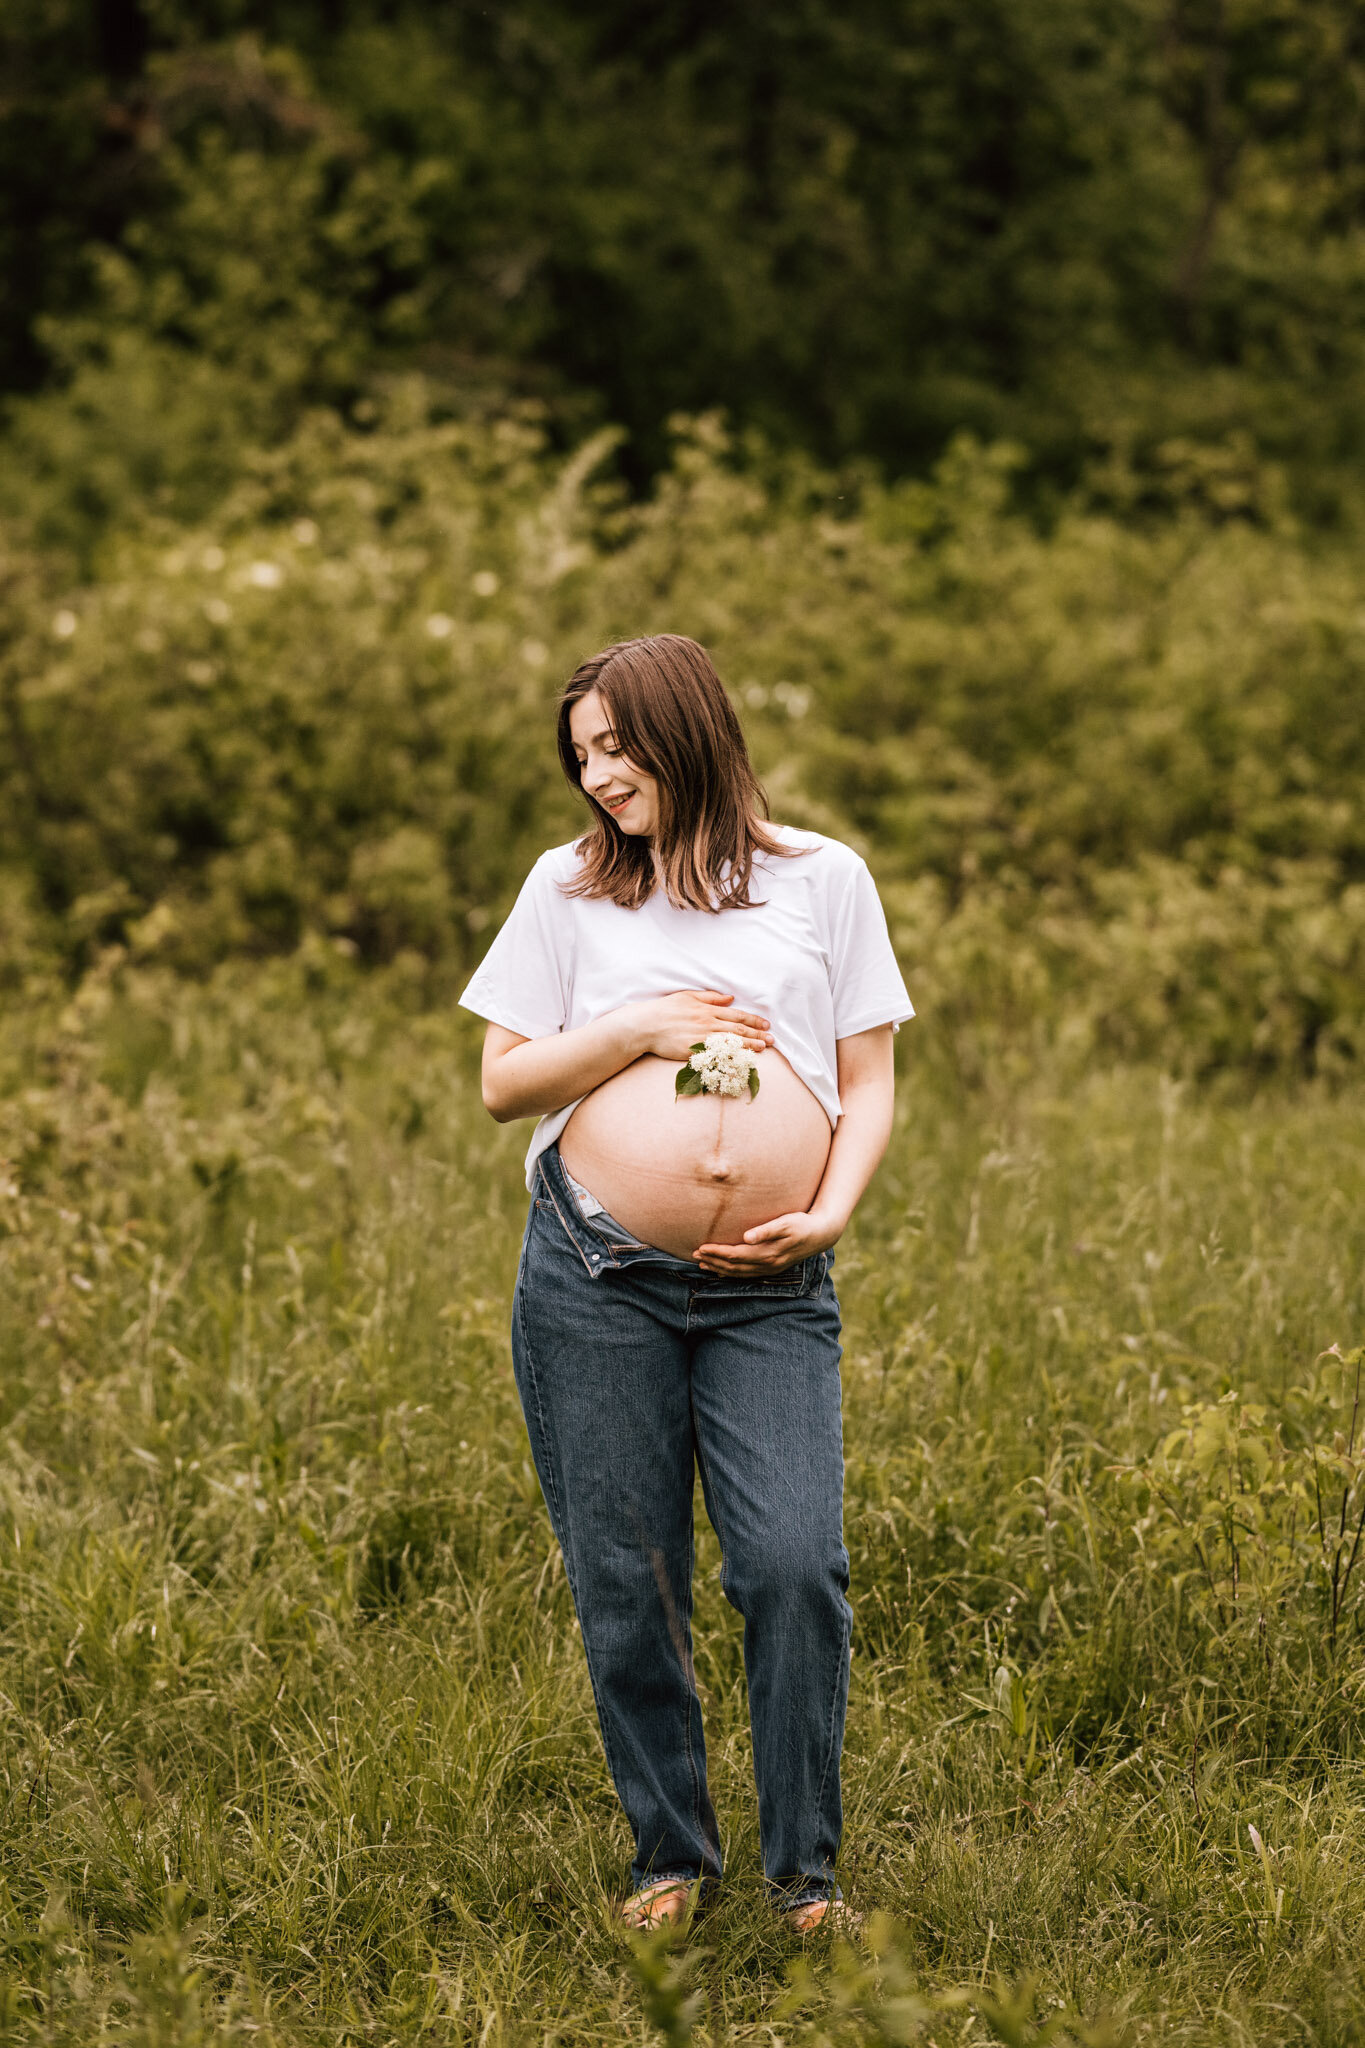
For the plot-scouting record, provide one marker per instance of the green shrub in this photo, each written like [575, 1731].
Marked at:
[1107, 775]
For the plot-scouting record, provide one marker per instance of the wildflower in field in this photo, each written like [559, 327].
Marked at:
[265, 575]
[720, 1064]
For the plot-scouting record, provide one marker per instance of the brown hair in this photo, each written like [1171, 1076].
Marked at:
[670, 713]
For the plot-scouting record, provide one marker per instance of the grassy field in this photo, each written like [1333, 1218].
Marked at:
[297, 1742]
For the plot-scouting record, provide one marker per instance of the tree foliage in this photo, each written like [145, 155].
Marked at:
[995, 374]
[1087, 225]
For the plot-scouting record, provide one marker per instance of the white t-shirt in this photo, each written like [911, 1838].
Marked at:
[811, 954]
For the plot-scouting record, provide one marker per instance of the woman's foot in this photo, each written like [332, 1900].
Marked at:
[663, 1903]
[834, 1914]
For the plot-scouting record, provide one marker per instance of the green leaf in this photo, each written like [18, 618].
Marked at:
[688, 1082]
[700, 1046]
[753, 1082]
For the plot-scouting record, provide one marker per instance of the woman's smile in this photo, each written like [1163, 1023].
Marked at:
[600, 755]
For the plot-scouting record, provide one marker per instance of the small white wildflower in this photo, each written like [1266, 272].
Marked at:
[212, 558]
[64, 625]
[305, 532]
[484, 584]
[265, 575]
[217, 611]
[723, 1064]
[534, 653]
[440, 626]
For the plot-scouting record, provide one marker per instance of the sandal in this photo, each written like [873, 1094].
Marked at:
[817, 1915]
[661, 1903]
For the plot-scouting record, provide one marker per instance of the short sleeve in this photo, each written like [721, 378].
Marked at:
[865, 979]
[524, 978]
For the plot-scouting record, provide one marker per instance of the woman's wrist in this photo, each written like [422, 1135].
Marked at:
[828, 1223]
[629, 1026]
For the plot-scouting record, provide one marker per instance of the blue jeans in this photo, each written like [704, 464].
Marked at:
[630, 1363]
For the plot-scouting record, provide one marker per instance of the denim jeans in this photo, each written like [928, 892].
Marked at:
[631, 1363]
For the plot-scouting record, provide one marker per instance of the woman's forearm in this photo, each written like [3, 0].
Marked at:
[539, 1075]
[536, 1076]
[860, 1139]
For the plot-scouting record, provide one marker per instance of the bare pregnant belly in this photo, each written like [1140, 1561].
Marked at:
[702, 1169]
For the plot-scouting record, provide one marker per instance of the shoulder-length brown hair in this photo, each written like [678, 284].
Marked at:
[671, 716]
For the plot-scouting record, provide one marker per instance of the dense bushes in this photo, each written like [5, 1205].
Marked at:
[1107, 775]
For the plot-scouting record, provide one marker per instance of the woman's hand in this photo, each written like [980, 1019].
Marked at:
[866, 1089]
[669, 1026]
[535, 1076]
[770, 1247]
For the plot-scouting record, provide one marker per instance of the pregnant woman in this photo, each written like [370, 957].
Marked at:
[674, 1300]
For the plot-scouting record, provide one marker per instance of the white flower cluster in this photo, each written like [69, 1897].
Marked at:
[723, 1063]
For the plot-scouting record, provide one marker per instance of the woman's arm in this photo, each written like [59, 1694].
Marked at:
[535, 1076]
[867, 1093]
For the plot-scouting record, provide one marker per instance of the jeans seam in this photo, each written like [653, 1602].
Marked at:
[841, 1665]
[710, 1492]
[692, 1682]
[556, 1510]
[692, 1695]
[567, 1232]
[611, 1246]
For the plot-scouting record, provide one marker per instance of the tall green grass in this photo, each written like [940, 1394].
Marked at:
[295, 1735]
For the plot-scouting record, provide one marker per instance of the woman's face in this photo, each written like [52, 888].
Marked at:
[608, 776]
